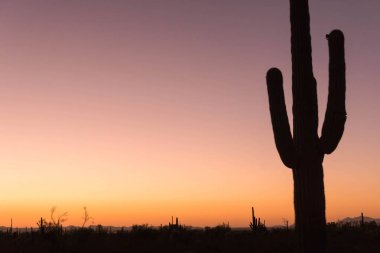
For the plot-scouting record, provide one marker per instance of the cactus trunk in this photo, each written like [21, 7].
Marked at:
[304, 151]
[309, 204]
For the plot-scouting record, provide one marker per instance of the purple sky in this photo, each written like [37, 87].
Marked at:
[139, 102]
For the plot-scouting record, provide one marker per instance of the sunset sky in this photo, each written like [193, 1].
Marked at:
[144, 109]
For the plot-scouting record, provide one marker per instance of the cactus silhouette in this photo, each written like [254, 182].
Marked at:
[304, 151]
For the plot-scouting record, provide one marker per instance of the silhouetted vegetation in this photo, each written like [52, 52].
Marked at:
[304, 151]
[256, 225]
[221, 229]
[86, 217]
[345, 237]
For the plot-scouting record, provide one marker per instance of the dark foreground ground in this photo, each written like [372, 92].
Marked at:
[219, 239]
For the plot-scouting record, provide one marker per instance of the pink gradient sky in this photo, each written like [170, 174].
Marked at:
[141, 110]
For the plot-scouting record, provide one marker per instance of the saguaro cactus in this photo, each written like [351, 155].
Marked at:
[256, 225]
[304, 151]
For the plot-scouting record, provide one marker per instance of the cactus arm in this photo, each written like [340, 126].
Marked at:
[280, 123]
[335, 116]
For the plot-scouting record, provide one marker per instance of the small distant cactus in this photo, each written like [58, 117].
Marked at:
[362, 220]
[256, 224]
[175, 225]
[42, 224]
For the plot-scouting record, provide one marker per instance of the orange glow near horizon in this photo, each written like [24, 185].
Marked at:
[142, 111]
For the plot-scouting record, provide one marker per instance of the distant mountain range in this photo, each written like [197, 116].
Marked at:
[358, 219]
